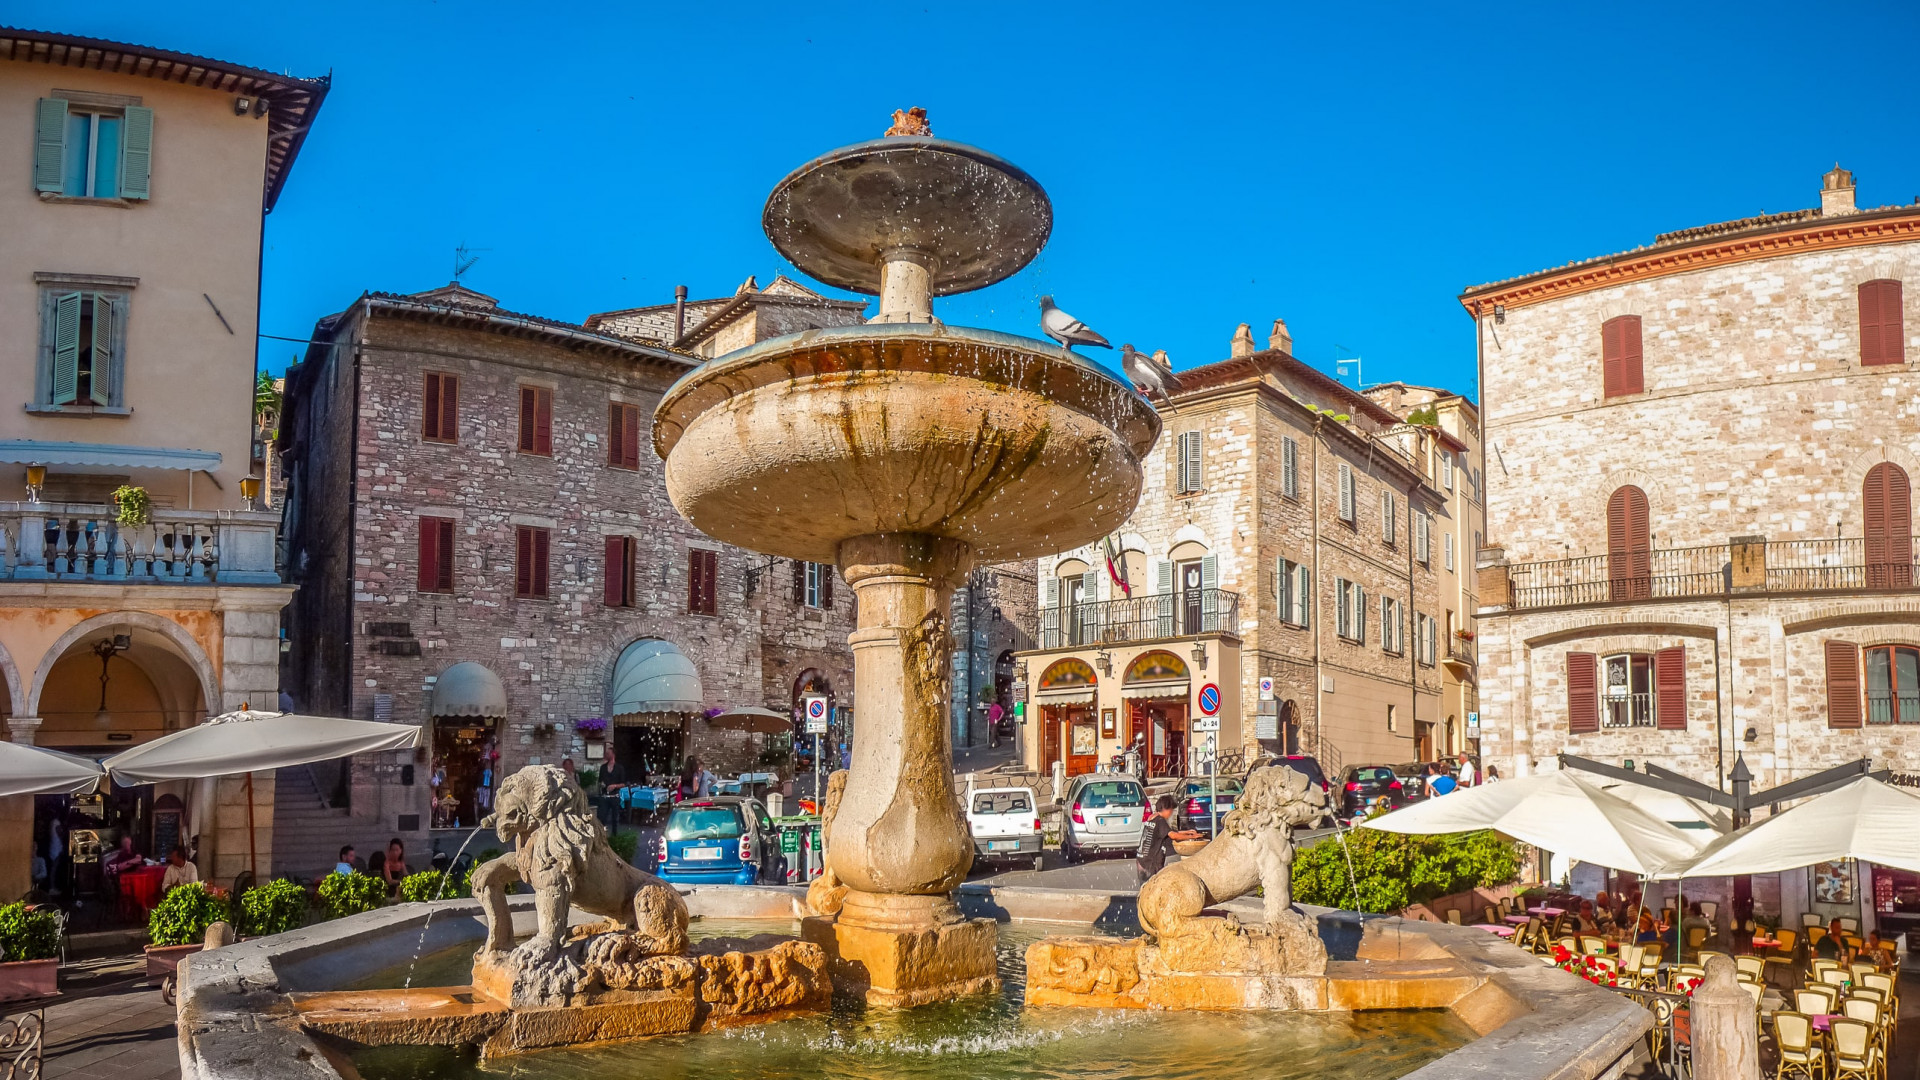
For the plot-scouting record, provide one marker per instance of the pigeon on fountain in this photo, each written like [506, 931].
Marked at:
[1148, 372]
[1066, 329]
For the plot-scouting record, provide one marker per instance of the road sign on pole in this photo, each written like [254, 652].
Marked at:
[814, 708]
[1210, 699]
[1206, 723]
[1266, 688]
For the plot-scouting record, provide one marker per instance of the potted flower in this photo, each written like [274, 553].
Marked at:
[136, 509]
[31, 940]
[591, 727]
[1463, 634]
[178, 927]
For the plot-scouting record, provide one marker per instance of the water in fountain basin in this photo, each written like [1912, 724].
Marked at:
[438, 893]
[986, 1036]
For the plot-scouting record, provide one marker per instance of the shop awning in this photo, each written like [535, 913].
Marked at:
[469, 689]
[653, 678]
[1071, 696]
[109, 454]
[1165, 688]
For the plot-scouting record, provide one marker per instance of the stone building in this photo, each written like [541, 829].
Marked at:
[133, 230]
[993, 620]
[484, 546]
[1289, 529]
[1699, 465]
[710, 328]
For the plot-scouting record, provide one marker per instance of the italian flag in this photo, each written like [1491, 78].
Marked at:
[1117, 566]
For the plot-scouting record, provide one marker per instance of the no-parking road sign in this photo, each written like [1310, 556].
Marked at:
[1210, 699]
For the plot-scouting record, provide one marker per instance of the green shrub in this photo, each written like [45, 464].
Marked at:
[426, 885]
[183, 916]
[351, 894]
[28, 935]
[1392, 870]
[624, 844]
[587, 778]
[273, 908]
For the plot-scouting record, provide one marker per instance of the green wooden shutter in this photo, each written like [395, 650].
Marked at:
[50, 145]
[1210, 593]
[106, 333]
[136, 153]
[1163, 587]
[1304, 596]
[66, 347]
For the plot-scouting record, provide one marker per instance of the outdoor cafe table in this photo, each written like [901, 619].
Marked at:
[1549, 911]
[1766, 942]
[1517, 920]
[140, 887]
[1496, 928]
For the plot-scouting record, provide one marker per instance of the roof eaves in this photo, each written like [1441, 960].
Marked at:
[570, 335]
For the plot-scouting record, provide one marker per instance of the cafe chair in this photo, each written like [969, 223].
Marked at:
[1835, 976]
[1453, 917]
[1883, 982]
[1787, 939]
[1666, 916]
[1700, 957]
[1860, 971]
[1754, 967]
[1591, 945]
[1662, 1009]
[1856, 1056]
[1814, 934]
[1815, 1000]
[1849, 924]
[1868, 1012]
[1533, 937]
[1569, 944]
[1793, 1042]
[1816, 965]
[1506, 906]
[1649, 969]
[1809, 920]
[1757, 991]
[1709, 909]
[1492, 915]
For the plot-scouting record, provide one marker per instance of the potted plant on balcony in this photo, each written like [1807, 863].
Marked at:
[31, 941]
[1463, 635]
[591, 727]
[136, 509]
[178, 927]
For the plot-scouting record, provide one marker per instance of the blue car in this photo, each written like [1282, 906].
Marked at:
[724, 840]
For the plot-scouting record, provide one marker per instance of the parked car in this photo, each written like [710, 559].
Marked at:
[1198, 794]
[723, 840]
[1305, 766]
[1105, 812]
[1365, 783]
[1413, 781]
[1005, 823]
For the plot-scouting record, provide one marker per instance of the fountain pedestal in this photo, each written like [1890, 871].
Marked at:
[926, 951]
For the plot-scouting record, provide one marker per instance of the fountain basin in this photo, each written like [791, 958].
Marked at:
[1011, 446]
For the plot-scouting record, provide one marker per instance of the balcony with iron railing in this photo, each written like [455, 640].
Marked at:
[1460, 650]
[86, 542]
[1744, 565]
[1191, 613]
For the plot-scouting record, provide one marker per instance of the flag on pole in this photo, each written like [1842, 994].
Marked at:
[1117, 566]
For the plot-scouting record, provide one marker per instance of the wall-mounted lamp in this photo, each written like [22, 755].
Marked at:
[1200, 655]
[1500, 313]
[250, 491]
[242, 106]
[1753, 734]
[1104, 661]
[105, 649]
[36, 480]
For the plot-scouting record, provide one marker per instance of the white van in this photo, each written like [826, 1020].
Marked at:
[1005, 823]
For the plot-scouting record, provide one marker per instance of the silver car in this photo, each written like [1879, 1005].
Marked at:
[1104, 812]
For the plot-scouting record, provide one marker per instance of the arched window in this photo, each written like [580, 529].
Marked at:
[1888, 503]
[1629, 546]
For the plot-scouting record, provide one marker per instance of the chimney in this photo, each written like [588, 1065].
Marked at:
[679, 313]
[1243, 341]
[1836, 192]
[1280, 339]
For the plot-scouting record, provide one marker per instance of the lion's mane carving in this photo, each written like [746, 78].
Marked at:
[561, 850]
[825, 896]
[1254, 850]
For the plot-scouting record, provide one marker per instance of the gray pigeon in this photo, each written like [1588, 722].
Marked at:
[1148, 371]
[1066, 329]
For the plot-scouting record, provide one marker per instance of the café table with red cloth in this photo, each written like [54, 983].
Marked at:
[140, 889]
[1550, 912]
[1496, 928]
[1517, 920]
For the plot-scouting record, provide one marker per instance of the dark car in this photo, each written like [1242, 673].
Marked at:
[1305, 766]
[1365, 783]
[1413, 781]
[1199, 796]
[723, 840]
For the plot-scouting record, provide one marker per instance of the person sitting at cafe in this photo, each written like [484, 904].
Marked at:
[1879, 951]
[1646, 933]
[348, 863]
[122, 858]
[395, 868]
[1696, 919]
[179, 870]
[1830, 946]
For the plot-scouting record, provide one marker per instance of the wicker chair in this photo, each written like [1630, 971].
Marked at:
[1816, 1000]
[1849, 924]
[1856, 1053]
[1754, 967]
[1836, 976]
[1793, 1043]
[1453, 917]
[1591, 945]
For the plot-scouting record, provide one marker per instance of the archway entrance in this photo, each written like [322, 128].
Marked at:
[1156, 689]
[1068, 731]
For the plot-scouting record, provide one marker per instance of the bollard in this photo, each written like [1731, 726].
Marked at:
[218, 934]
[1726, 1029]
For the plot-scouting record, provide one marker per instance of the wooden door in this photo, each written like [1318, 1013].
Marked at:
[1889, 527]
[1081, 730]
[1051, 725]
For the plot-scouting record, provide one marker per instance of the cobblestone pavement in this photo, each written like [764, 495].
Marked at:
[109, 1025]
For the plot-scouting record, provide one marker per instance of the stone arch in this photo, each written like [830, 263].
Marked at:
[172, 632]
[1188, 534]
[1602, 491]
[1855, 479]
[1856, 613]
[1620, 304]
[1621, 626]
[16, 691]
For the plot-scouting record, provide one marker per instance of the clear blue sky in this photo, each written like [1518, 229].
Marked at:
[1350, 167]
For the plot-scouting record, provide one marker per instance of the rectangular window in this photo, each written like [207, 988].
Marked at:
[530, 551]
[1883, 338]
[1446, 469]
[1392, 633]
[1350, 610]
[813, 584]
[1620, 358]
[1893, 684]
[1289, 468]
[703, 567]
[623, 435]
[1293, 590]
[436, 555]
[1347, 501]
[1393, 718]
[84, 335]
[440, 408]
[1423, 538]
[1190, 477]
[536, 420]
[617, 589]
[1447, 547]
[87, 151]
[1389, 514]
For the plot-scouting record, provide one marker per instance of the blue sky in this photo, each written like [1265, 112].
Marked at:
[1349, 167]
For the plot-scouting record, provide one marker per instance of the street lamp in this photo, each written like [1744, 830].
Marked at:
[36, 479]
[250, 491]
[1104, 661]
[1200, 654]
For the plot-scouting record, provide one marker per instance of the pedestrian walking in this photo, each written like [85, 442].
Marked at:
[1466, 775]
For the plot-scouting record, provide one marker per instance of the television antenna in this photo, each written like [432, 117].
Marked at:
[1341, 364]
[463, 259]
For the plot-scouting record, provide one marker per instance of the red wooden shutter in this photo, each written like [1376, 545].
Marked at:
[712, 605]
[1843, 684]
[1887, 499]
[799, 581]
[1882, 323]
[445, 557]
[543, 422]
[1629, 558]
[430, 407]
[1632, 367]
[428, 578]
[1670, 688]
[695, 589]
[449, 408]
[528, 398]
[523, 561]
[614, 434]
[630, 453]
[1583, 692]
[613, 590]
[1610, 358]
[540, 558]
[1870, 335]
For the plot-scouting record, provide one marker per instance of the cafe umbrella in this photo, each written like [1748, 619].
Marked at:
[247, 741]
[31, 770]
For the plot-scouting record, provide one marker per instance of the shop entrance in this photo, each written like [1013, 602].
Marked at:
[642, 752]
[1082, 732]
[463, 759]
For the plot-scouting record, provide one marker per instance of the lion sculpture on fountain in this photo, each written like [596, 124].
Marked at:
[1254, 850]
[561, 850]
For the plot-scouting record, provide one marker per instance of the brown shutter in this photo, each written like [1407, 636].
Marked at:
[1843, 684]
[614, 434]
[523, 561]
[613, 591]
[630, 455]
[444, 558]
[799, 581]
[1887, 499]
[1893, 325]
[1610, 358]
[1629, 560]
[1583, 693]
[1670, 688]
[540, 558]
[528, 399]
[826, 585]
[1632, 369]
[695, 571]
[428, 579]
[430, 407]
[1870, 334]
[449, 408]
[543, 421]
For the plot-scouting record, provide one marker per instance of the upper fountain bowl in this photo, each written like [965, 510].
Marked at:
[1012, 446]
[978, 217]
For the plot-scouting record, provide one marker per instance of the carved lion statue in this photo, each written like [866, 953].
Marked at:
[560, 849]
[1254, 850]
[825, 896]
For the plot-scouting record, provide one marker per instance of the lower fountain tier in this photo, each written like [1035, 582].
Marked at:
[924, 951]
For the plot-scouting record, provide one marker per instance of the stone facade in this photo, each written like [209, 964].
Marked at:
[1752, 441]
[370, 643]
[993, 618]
[1345, 699]
[709, 328]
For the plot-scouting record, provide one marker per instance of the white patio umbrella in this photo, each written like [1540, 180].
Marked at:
[752, 718]
[30, 770]
[1561, 812]
[247, 741]
[1866, 819]
[1676, 810]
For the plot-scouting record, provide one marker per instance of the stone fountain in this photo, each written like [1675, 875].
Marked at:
[904, 451]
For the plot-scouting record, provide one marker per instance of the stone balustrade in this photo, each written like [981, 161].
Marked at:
[85, 542]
